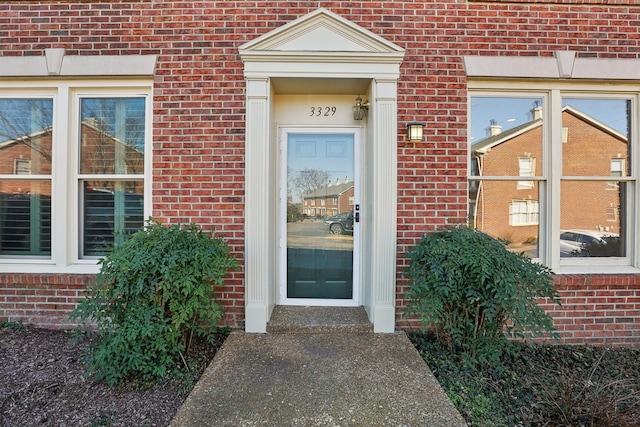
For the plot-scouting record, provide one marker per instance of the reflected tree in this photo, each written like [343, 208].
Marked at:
[309, 180]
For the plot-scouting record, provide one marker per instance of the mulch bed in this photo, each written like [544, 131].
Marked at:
[541, 385]
[43, 383]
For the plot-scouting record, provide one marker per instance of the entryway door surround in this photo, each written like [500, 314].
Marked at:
[285, 61]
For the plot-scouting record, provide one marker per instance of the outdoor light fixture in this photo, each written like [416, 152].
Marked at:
[415, 131]
[360, 109]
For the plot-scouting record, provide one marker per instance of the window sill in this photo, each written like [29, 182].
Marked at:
[597, 269]
[44, 268]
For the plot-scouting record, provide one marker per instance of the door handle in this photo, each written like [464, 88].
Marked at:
[357, 213]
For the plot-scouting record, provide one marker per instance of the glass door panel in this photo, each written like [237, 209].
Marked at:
[320, 216]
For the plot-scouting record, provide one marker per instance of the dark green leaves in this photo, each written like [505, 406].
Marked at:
[472, 290]
[153, 293]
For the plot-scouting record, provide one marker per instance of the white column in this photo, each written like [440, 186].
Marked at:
[258, 269]
[384, 191]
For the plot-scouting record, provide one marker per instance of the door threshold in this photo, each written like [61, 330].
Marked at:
[316, 320]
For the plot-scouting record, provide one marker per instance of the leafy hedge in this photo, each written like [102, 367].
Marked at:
[471, 289]
[153, 293]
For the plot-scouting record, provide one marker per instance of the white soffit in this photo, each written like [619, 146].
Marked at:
[318, 35]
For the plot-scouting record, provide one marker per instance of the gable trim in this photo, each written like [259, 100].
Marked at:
[275, 40]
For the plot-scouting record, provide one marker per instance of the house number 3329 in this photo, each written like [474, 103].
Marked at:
[322, 111]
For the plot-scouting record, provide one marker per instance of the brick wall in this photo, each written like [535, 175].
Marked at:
[598, 310]
[39, 299]
[198, 162]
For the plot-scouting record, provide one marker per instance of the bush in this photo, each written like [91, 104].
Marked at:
[471, 289]
[153, 293]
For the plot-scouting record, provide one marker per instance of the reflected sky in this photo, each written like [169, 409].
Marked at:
[512, 112]
[20, 117]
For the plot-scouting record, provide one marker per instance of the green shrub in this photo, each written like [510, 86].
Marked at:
[153, 293]
[471, 289]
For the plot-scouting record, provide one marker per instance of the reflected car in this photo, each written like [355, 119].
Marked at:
[573, 242]
[341, 223]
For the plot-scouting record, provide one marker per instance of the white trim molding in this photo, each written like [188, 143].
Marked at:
[563, 65]
[321, 45]
[56, 63]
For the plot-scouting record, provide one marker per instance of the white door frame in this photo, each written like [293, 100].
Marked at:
[284, 132]
[306, 48]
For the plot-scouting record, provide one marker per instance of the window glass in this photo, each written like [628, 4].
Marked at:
[506, 141]
[504, 130]
[25, 218]
[25, 136]
[111, 210]
[112, 135]
[25, 150]
[591, 212]
[597, 131]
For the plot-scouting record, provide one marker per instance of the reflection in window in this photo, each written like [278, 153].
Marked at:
[22, 167]
[590, 211]
[596, 148]
[25, 151]
[524, 212]
[617, 170]
[506, 140]
[112, 134]
[527, 168]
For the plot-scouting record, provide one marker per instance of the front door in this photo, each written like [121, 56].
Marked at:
[319, 194]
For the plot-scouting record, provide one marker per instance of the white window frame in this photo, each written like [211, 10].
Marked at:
[552, 92]
[65, 209]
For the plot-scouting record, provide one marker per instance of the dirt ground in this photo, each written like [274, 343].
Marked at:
[43, 383]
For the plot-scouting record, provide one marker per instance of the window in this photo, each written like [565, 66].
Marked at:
[96, 140]
[581, 187]
[526, 166]
[523, 212]
[111, 151]
[26, 128]
[617, 170]
[22, 167]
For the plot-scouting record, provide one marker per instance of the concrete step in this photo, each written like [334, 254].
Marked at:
[318, 320]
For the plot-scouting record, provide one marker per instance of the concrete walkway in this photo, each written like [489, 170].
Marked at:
[317, 379]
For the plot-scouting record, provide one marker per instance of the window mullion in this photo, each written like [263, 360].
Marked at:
[633, 189]
[553, 116]
[60, 179]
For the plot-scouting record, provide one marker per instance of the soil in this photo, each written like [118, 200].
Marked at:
[43, 383]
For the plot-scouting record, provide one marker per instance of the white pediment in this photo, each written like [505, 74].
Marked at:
[321, 31]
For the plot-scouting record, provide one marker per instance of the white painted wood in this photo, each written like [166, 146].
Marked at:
[57, 63]
[294, 51]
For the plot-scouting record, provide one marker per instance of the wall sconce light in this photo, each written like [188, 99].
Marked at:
[360, 109]
[415, 131]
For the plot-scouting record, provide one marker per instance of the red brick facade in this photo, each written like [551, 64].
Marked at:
[199, 117]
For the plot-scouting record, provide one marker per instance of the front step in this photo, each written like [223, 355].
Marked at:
[318, 320]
